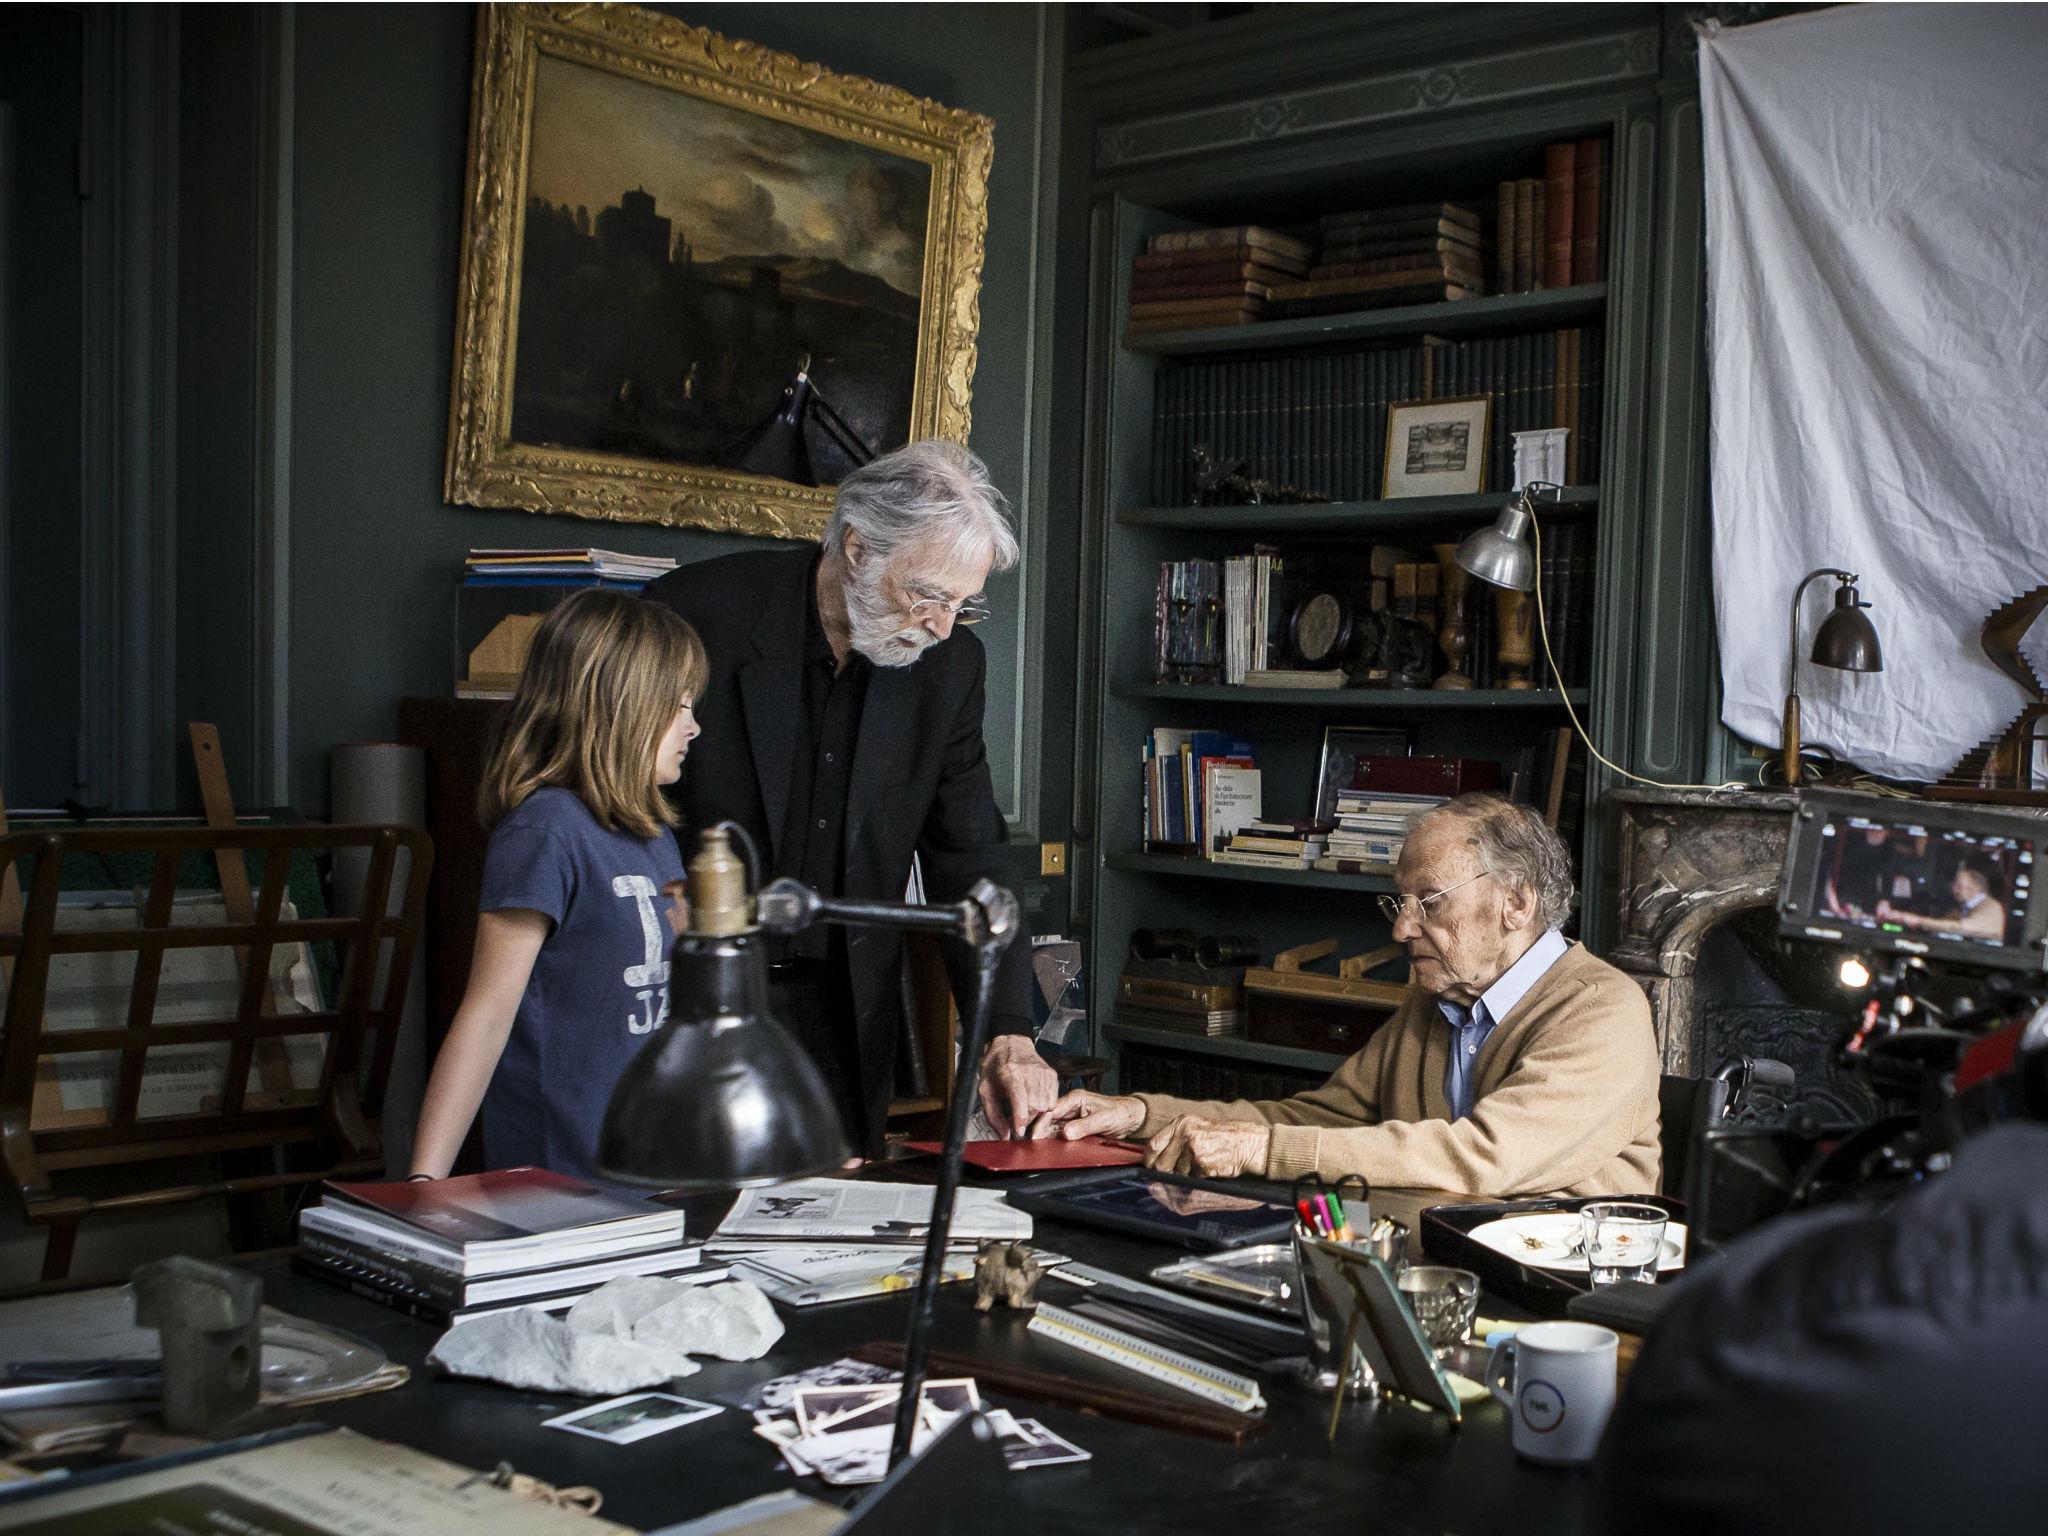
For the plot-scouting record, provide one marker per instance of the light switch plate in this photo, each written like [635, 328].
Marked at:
[1052, 858]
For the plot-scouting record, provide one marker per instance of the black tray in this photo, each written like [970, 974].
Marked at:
[1546, 1292]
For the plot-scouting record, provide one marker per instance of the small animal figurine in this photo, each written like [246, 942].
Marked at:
[1221, 482]
[1005, 1272]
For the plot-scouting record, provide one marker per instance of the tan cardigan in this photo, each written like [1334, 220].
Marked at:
[1567, 1098]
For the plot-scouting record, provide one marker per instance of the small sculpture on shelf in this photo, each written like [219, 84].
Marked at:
[1516, 613]
[1456, 635]
[1221, 482]
[1408, 650]
[1007, 1273]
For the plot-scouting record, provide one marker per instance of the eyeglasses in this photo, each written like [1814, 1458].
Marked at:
[927, 604]
[1396, 907]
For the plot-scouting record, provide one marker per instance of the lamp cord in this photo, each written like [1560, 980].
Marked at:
[1543, 633]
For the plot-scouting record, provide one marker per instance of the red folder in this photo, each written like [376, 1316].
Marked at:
[1042, 1156]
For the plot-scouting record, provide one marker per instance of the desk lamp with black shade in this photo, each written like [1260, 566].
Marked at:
[1507, 554]
[780, 446]
[723, 1097]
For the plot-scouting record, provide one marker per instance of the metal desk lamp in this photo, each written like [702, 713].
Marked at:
[723, 1096]
[778, 446]
[1846, 641]
[1508, 554]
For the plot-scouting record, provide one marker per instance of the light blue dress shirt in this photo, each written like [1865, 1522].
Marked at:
[1471, 1026]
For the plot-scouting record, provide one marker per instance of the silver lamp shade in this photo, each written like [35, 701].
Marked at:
[1502, 554]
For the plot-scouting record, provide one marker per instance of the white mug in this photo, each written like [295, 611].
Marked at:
[1557, 1380]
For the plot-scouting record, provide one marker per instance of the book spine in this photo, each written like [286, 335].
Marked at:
[1525, 234]
[1539, 235]
[1586, 213]
[1572, 400]
[1504, 238]
[372, 1289]
[1560, 201]
[435, 1284]
[392, 1243]
[1249, 237]
[1149, 294]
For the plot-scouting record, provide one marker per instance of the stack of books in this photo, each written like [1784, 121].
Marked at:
[1417, 253]
[562, 568]
[1548, 229]
[1201, 277]
[1371, 827]
[449, 1250]
[1265, 844]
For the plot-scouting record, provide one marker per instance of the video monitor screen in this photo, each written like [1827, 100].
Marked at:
[1924, 883]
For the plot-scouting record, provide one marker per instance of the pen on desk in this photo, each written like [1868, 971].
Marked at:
[1322, 1204]
[1308, 1216]
[1338, 1220]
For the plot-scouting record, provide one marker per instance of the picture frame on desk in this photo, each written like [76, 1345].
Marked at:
[1436, 447]
[663, 229]
[1343, 746]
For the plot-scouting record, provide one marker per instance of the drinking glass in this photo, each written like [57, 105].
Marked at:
[1623, 1242]
[1443, 1301]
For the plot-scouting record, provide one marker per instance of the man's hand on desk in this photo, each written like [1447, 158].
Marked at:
[1016, 1084]
[1216, 1149]
[1082, 1113]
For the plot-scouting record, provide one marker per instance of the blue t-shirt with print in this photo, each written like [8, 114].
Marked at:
[599, 986]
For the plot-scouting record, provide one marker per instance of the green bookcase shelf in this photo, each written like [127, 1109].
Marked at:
[1174, 867]
[1506, 311]
[1356, 701]
[1363, 518]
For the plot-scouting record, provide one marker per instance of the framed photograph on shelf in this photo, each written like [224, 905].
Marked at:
[1343, 746]
[1436, 447]
[666, 233]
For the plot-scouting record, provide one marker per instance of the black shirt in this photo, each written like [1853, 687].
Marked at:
[814, 829]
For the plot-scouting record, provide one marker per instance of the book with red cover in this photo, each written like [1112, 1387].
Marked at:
[505, 1208]
[1560, 204]
[1042, 1156]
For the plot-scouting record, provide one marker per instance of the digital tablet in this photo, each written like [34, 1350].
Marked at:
[1194, 1213]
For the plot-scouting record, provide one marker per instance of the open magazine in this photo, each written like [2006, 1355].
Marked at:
[866, 1212]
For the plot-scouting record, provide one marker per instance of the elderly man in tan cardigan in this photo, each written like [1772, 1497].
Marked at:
[1517, 1065]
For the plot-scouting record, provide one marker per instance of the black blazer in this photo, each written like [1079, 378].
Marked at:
[920, 773]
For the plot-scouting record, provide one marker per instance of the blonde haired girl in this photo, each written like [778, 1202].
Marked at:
[571, 967]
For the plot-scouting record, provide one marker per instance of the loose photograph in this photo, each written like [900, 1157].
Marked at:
[623, 1420]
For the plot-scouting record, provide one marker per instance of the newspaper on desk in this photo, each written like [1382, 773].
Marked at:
[864, 1212]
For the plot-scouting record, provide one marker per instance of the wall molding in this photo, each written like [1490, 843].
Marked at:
[1598, 62]
[271, 444]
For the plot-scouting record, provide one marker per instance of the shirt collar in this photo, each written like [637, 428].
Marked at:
[1515, 982]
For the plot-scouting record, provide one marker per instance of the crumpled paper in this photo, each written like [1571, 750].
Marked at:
[634, 1332]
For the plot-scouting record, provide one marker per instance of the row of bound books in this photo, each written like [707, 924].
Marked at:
[1549, 230]
[1319, 421]
[448, 1250]
[1564, 577]
[562, 568]
[1198, 788]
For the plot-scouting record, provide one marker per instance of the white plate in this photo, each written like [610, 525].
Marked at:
[1550, 1240]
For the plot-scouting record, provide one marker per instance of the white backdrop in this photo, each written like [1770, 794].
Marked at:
[1877, 261]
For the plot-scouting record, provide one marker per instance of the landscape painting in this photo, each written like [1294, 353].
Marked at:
[682, 258]
[664, 227]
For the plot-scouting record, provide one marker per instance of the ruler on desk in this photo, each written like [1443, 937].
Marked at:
[1240, 1393]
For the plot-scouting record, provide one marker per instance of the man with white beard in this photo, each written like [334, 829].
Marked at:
[842, 727]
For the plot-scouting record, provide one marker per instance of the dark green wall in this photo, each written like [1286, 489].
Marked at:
[382, 102]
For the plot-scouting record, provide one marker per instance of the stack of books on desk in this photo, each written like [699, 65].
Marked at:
[449, 1250]
[563, 568]
[1371, 827]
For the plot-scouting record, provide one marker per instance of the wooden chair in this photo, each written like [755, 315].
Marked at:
[39, 1140]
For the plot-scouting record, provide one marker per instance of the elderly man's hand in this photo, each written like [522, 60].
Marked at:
[1082, 1113]
[1217, 1149]
[1016, 1084]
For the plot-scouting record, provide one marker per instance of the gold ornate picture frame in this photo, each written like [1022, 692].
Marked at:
[661, 225]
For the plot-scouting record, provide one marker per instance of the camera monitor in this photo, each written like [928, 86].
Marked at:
[1910, 877]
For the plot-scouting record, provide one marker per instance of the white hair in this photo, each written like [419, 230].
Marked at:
[1516, 844]
[931, 496]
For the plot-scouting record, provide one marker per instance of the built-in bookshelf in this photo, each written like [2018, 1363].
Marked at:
[1302, 400]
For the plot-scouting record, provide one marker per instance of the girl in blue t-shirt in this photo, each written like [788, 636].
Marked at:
[572, 934]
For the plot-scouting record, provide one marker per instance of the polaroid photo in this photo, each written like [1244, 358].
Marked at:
[1044, 1448]
[623, 1420]
[780, 1393]
[847, 1459]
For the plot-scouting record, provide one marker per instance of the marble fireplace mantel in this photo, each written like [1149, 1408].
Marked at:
[1690, 860]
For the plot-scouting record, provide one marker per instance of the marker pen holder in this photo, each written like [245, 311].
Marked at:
[1329, 1312]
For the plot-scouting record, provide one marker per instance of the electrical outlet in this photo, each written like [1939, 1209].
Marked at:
[1052, 858]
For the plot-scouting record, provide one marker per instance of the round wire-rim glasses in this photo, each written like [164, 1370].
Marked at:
[1395, 906]
[967, 611]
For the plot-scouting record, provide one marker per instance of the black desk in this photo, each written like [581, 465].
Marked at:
[1393, 1469]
